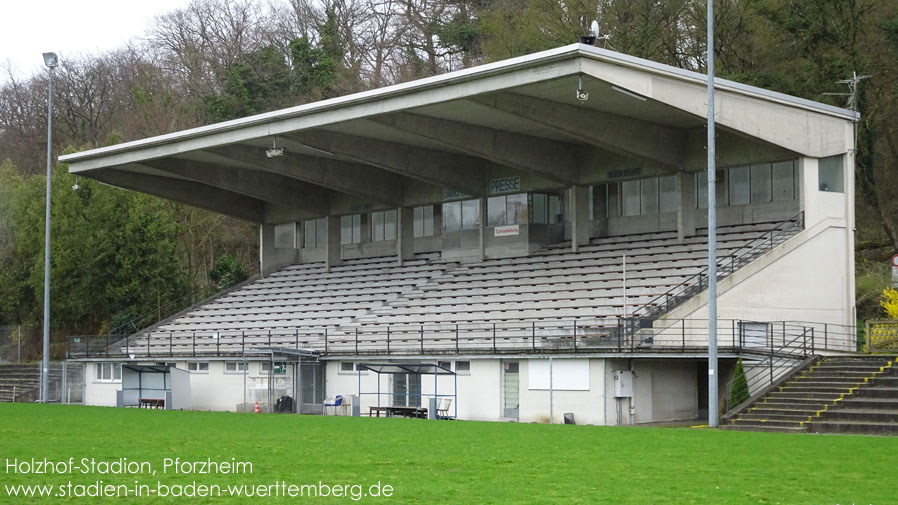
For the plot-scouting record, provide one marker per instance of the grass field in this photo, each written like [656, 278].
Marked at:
[449, 462]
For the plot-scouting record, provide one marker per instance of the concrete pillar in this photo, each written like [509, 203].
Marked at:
[579, 217]
[405, 233]
[686, 205]
[332, 244]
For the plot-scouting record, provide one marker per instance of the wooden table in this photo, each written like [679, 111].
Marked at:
[417, 412]
[151, 403]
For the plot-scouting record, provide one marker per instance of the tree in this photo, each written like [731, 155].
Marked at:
[228, 271]
[739, 392]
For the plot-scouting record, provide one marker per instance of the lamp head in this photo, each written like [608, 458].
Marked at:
[51, 60]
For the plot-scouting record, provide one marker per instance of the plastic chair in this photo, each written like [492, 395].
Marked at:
[334, 402]
[443, 408]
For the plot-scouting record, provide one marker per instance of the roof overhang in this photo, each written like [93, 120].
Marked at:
[406, 144]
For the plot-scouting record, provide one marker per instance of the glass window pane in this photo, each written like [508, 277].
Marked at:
[321, 231]
[539, 208]
[649, 198]
[418, 222]
[390, 225]
[428, 221]
[495, 211]
[377, 226]
[309, 234]
[346, 229]
[117, 370]
[452, 216]
[470, 214]
[630, 191]
[760, 183]
[701, 189]
[783, 184]
[830, 172]
[555, 214]
[516, 208]
[739, 186]
[667, 189]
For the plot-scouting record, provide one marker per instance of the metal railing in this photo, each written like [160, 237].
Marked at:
[760, 373]
[697, 283]
[610, 335]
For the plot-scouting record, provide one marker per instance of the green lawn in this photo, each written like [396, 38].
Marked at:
[452, 462]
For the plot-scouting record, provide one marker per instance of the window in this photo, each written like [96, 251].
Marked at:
[507, 209]
[347, 366]
[462, 367]
[315, 233]
[459, 216]
[351, 229]
[383, 225]
[649, 196]
[783, 181]
[630, 192]
[285, 235]
[445, 364]
[236, 366]
[280, 368]
[740, 186]
[667, 200]
[423, 221]
[109, 372]
[546, 209]
[830, 173]
[198, 367]
[761, 191]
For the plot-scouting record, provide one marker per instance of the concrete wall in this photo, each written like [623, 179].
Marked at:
[97, 392]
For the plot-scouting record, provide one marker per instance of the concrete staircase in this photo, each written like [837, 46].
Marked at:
[16, 380]
[843, 394]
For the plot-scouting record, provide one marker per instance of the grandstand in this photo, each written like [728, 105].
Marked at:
[487, 237]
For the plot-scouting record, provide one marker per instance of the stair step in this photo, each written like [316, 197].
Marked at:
[853, 427]
[869, 403]
[775, 416]
[863, 415]
[776, 429]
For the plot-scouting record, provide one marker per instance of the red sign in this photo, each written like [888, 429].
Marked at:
[895, 261]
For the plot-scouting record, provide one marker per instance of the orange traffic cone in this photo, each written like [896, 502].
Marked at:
[257, 407]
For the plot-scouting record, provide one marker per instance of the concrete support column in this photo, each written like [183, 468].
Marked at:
[332, 254]
[579, 217]
[405, 231]
[686, 205]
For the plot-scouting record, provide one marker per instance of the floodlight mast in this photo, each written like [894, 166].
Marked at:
[712, 233]
[51, 61]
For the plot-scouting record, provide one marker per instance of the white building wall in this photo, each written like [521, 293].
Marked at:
[99, 392]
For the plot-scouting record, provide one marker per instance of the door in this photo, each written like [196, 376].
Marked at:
[406, 390]
[511, 390]
[311, 387]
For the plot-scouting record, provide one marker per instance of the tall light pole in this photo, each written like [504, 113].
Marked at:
[51, 61]
[712, 233]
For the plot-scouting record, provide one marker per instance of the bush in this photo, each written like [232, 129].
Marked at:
[227, 271]
[739, 387]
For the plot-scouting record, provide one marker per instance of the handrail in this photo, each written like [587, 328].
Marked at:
[737, 259]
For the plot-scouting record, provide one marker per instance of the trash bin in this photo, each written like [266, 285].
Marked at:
[569, 418]
[284, 405]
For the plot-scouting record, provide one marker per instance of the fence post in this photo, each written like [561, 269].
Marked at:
[422, 339]
[356, 339]
[533, 335]
[218, 344]
[771, 363]
[388, 341]
[242, 342]
[269, 338]
[171, 344]
[575, 335]
[194, 344]
[149, 337]
[456, 338]
[325, 340]
[812, 340]
[494, 337]
[826, 335]
[620, 334]
[296, 337]
[683, 334]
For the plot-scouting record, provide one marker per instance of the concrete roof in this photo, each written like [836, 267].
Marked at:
[405, 144]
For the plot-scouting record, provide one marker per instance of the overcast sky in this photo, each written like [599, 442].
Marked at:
[31, 27]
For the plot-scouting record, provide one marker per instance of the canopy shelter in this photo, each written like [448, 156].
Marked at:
[405, 408]
[159, 386]
[407, 144]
